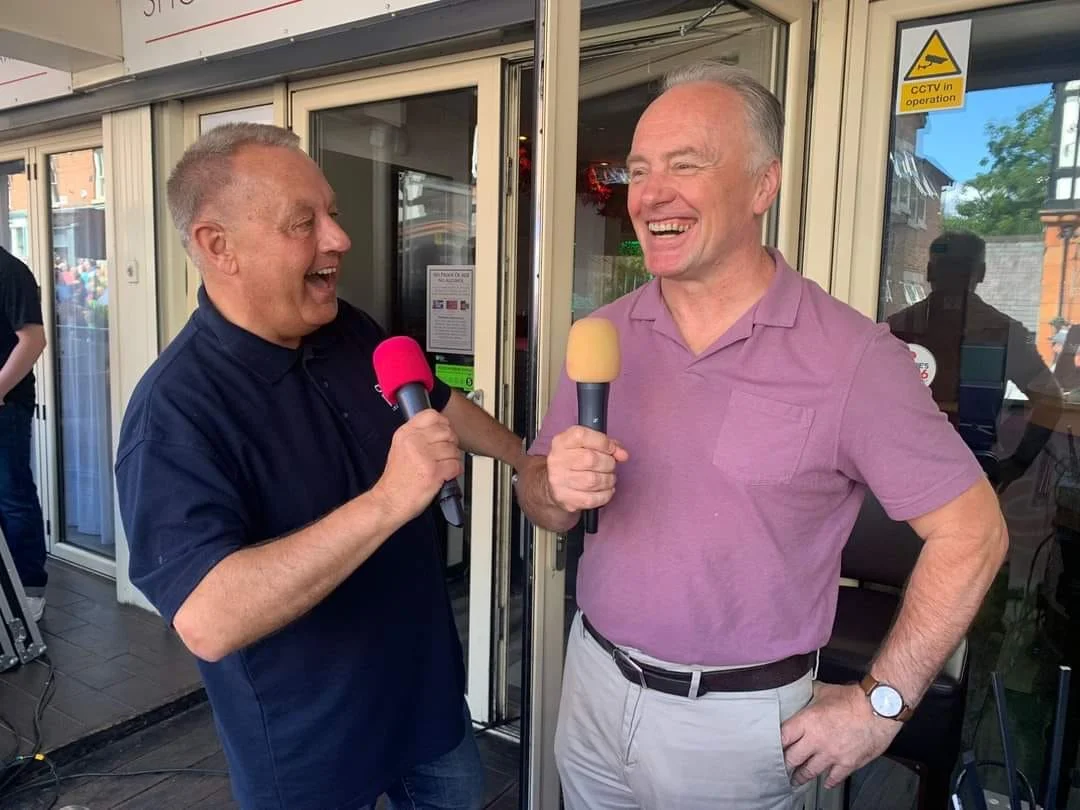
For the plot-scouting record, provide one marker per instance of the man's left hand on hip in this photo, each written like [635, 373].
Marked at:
[835, 735]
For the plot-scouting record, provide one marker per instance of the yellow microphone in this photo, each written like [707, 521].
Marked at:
[592, 361]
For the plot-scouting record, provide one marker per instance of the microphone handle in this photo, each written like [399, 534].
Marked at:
[592, 404]
[413, 398]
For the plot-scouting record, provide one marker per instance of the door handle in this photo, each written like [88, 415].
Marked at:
[476, 397]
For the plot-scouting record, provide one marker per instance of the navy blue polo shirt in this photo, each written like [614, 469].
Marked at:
[229, 441]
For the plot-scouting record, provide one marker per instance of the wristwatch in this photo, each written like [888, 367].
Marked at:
[885, 700]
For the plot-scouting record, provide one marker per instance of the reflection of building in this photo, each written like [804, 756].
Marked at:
[915, 216]
[1061, 288]
[77, 197]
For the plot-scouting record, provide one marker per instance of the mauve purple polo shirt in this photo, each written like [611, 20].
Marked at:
[747, 469]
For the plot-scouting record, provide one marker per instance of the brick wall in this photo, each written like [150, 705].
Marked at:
[1013, 284]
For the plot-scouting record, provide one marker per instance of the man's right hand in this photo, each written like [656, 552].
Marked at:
[581, 468]
[424, 454]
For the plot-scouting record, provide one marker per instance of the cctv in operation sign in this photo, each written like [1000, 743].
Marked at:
[931, 72]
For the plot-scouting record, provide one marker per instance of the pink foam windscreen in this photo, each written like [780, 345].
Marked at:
[399, 361]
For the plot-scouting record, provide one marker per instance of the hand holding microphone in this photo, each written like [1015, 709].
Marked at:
[424, 459]
[581, 464]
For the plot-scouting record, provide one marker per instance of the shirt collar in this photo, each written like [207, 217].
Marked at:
[266, 360]
[778, 307]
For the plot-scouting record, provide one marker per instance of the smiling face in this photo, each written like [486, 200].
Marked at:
[693, 198]
[274, 242]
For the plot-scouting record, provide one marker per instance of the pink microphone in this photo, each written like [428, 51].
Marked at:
[405, 380]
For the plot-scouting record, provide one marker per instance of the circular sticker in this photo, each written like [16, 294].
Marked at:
[924, 361]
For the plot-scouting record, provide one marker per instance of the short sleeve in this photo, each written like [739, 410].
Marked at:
[895, 440]
[19, 298]
[182, 514]
[561, 414]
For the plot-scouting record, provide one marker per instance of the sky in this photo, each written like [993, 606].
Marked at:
[956, 139]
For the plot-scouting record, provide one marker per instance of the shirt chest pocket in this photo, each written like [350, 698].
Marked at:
[761, 441]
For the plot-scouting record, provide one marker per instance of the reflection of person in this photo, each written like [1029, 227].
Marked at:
[1065, 369]
[279, 512]
[752, 413]
[22, 340]
[978, 350]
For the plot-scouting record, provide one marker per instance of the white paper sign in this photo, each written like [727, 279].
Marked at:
[450, 308]
[25, 83]
[158, 33]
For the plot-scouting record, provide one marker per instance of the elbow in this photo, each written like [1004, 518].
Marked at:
[200, 639]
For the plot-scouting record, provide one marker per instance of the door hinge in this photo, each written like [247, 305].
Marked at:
[560, 552]
[48, 528]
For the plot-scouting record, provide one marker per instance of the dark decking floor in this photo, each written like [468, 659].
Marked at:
[113, 663]
[188, 741]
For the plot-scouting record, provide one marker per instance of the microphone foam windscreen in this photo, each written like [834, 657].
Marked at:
[592, 351]
[399, 361]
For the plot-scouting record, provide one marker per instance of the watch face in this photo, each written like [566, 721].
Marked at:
[886, 701]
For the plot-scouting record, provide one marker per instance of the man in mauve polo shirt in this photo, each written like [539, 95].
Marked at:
[752, 413]
[279, 513]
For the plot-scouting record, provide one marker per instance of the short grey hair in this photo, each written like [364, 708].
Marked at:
[206, 167]
[764, 113]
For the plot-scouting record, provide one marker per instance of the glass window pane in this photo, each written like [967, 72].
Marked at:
[404, 172]
[615, 89]
[980, 277]
[81, 348]
[14, 207]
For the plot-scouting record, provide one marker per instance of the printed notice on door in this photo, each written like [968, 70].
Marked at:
[450, 308]
[931, 73]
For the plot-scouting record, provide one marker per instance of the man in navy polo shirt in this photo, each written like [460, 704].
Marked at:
[22, 340]
[279, 513]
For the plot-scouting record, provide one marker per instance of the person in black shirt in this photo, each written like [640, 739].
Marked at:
[22, 340]
[279, 511]
[978, 350]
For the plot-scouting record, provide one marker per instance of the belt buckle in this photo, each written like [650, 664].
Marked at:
[617, 654]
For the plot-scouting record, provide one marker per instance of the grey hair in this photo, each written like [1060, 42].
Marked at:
[764, 114]
[206, 167]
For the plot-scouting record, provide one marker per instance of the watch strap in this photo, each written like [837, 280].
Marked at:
[869, 682]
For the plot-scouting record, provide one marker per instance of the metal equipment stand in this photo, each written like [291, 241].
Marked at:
[20, 639]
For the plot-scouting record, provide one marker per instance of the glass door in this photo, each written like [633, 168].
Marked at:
[414, 161]
[963, 202]
[73, 198]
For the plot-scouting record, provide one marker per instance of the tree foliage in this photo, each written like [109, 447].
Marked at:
[1012, 188]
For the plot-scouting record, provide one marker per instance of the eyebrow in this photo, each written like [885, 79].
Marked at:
[634, 157]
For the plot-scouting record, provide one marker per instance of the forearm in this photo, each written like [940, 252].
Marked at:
[260, 589]
[480, 434]
[21, 361]
[946, 588]
[534, 495]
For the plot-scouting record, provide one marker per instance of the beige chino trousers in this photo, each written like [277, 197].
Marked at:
[621, 747]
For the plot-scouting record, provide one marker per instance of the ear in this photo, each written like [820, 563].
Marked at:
[768, 186]
[210, 240]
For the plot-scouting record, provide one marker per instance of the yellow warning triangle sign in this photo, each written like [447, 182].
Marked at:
[934, 61]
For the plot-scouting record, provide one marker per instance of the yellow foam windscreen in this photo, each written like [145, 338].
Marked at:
[592, 351]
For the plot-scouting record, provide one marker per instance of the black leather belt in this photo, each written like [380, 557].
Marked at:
[745, 679]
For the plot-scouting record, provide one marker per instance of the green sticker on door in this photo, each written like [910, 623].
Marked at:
[460, 377]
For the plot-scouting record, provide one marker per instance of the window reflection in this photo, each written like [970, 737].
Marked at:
[981, 278]
[81, 348]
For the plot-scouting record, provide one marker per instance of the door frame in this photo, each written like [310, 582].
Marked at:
[485, 75]
[36, 151]
[864, 149]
